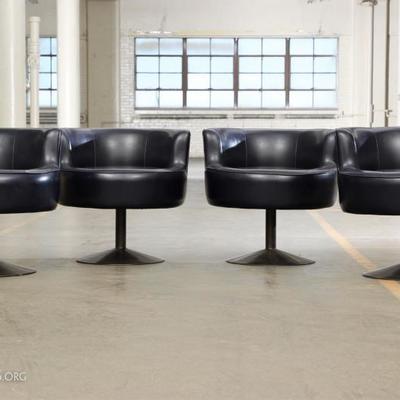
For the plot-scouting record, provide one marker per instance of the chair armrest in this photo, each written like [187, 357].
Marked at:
[51, 150]
[212, 148]
[180, 154]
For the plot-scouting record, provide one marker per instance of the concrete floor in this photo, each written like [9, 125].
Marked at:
[196, 327]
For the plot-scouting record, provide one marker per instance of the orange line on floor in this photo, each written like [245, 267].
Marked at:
[355, 254]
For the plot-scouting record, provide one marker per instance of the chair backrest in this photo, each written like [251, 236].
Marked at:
[369, 148]
[107, 148]
[28, 148]
[280, 148]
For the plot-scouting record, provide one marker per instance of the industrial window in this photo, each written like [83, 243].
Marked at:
[47, 73]
[253, 73]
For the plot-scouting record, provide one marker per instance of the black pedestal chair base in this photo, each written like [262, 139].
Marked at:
[389, 273]
[8, 269]
[120, 255]
[270, 255]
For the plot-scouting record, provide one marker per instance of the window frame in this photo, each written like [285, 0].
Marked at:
[236, 90]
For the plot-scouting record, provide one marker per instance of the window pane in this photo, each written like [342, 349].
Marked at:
[250, 64]
[171, 46]
[222, 46]
[325, 46]
[325, 81]
[325, 64]
[53, 64]
[274, 99]
[170, 99]
[273, 81]
[147, 81]
[147, 64]
[249, 99]
[198, 46]
[249, 46]
[221, 81]
[53, 98]
[301, 46]
[301, 64]
[44, 81]
[301, 99]
[54, 81]
[325, 99]
[301, 81]
[54, 46]
[222, 64]
[199, 64]
[170, 64]
[146, 46]
[170, 81]
[44, 98]
[274, 46]
[147, 99]
[198, 99]
[273, 64]
[221, 99]
[250, 81]
[198, 81]
[45, 65]
[45, 45]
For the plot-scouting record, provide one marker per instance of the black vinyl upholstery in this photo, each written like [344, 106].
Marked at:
[270, 168]
[369, 170]
[29, 170]
[123, 168]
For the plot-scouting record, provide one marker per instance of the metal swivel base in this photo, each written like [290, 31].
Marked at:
[120, 257]
[8, 269]
[270, 257]
[390, 273]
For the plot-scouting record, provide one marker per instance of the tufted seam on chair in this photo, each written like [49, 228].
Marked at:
[94, 152]
[145, 150]
[13, 154]
[295, 150]
[378, 154]
[246, 152]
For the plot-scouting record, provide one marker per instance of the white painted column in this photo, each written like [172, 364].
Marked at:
[12, 64]
[398, 64]
[34, 65]
[68, 67]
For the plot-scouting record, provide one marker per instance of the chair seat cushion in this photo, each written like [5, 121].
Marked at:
[370, 192]
[271, 188]
[122, 187]
[32, 190]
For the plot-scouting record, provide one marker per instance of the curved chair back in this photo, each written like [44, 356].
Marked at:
[370, 149]
[22, 149]
[280, 148]
[137, 148]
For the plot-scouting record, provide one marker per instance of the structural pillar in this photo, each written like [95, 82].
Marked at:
[12, 64]
[68, 67]
[34, 65]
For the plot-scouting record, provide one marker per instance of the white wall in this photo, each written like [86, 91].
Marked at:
[107, 69]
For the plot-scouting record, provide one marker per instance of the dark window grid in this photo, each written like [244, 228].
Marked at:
[51, 72]
[236, 57]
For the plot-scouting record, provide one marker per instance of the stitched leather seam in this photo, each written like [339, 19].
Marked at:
[245, 144]
[13, 154]
[145, 150]
[94, 152]
[295, 151]
[377, 151]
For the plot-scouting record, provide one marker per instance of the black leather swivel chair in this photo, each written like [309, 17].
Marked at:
[270, 169]
[369, 177]
[122, 169]
[29, 177]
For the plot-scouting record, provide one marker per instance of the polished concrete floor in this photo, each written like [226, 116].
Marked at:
[196, 327]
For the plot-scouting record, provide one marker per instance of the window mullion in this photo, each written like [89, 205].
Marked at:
[236, 73]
